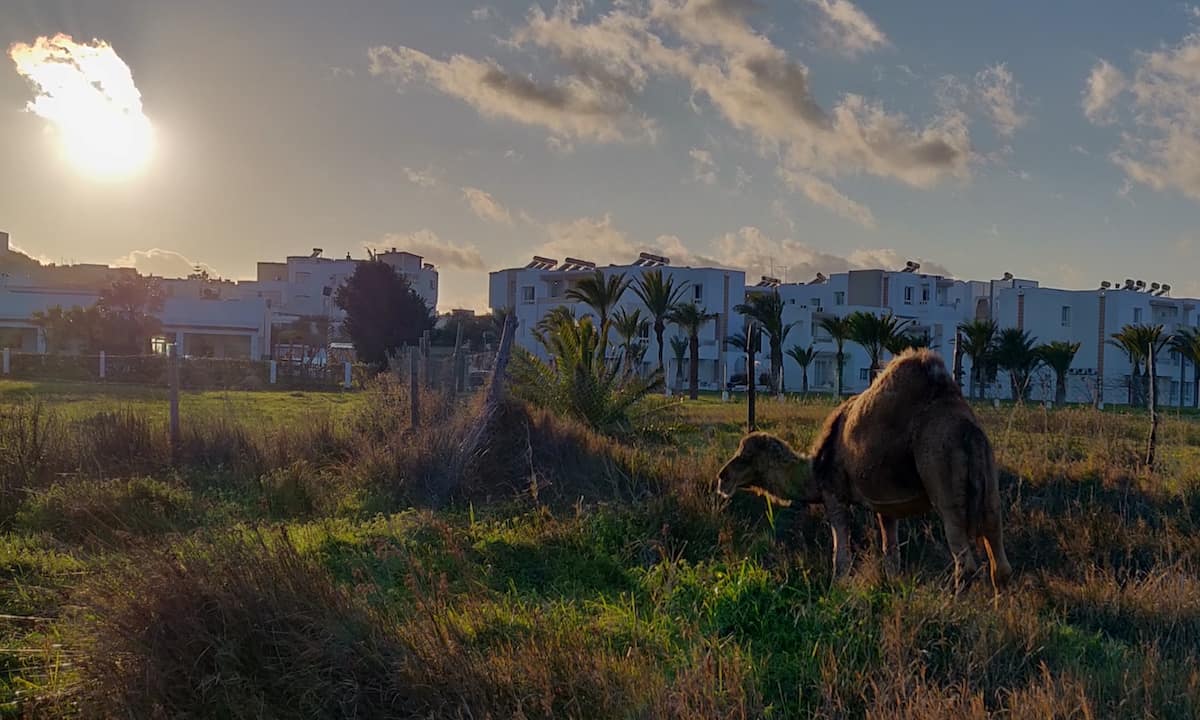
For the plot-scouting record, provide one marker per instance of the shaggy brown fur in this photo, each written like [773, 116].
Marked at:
[908, 443]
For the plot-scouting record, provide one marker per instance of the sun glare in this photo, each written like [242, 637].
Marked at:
[86, 92]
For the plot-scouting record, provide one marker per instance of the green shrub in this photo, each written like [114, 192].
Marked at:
[104, 511]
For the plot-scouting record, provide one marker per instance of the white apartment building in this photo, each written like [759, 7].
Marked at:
[929, 304]
[539, 287]
[304, 285]
[1101, 371]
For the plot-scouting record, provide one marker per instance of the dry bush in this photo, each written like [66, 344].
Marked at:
[252, 628]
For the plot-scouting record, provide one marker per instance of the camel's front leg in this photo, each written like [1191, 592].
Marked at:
[839, 524]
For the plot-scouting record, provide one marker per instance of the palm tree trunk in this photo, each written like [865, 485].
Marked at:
[841, 362]
[804, 380]
[776, 367]
[1060, 392]
[659, 327]
[694, 370]
[1195, 384]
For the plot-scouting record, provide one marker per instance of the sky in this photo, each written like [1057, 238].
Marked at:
[1057, 141]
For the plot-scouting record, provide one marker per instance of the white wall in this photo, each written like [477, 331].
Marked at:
[534, 293]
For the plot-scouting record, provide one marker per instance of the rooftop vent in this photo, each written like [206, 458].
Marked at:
[651, 260]
[577, 264]
[1128, 284]
[541, 263]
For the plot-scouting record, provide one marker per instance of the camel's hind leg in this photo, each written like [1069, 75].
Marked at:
[944, 475]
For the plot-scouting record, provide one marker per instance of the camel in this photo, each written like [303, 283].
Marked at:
[908, 443]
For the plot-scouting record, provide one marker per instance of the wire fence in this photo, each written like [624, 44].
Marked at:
[194, 373]
[438, 368]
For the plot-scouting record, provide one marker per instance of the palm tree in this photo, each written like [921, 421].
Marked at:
[803, 357]
[1137, 341]
[1058, 356]
[767, 310]
[876, 334]
[679, 346]
[979, 342]
[1187, 343]
[1016, 354]
[691, 319]
[839, 332]
[629, 327]
[601, 294]
[660, 295]
[550, 322]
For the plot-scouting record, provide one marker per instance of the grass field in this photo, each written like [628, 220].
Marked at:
[291, 559]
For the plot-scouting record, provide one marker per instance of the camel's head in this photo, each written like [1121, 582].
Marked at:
[764, 463]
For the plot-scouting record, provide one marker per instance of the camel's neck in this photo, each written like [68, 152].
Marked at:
[797, 482]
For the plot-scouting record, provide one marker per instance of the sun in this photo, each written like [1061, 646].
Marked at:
[86, 92]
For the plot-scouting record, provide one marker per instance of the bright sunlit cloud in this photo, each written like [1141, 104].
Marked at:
[86, 92]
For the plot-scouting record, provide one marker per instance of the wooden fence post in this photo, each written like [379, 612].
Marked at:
[414, 385]
[427, 355]
[103, 365]
[1152, 403]
[457, 363]
[751, 380]
[173, 385]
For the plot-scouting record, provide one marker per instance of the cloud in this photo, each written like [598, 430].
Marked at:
[844, 28]
[577, 106]
[426, 178]
[1104, 84]
[828, 197]
[710, 45]
[704, 168]
[157, 261]
[86, 91]
[1160, 140]
[758, 254]
[441, 253]
[486, 206]
[484, 12]
[743, 178]
[1000, 93]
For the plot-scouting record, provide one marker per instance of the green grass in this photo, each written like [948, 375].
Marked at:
[645, 599]
[273, 407]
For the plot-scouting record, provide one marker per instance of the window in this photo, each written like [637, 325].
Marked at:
[1066, 316]
[864, 374]
[924, 296]
[815, 303]
[908, 293]
[839, 298]
[698, 293]
[1137, 315]
[303, 277]
[527, 294]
